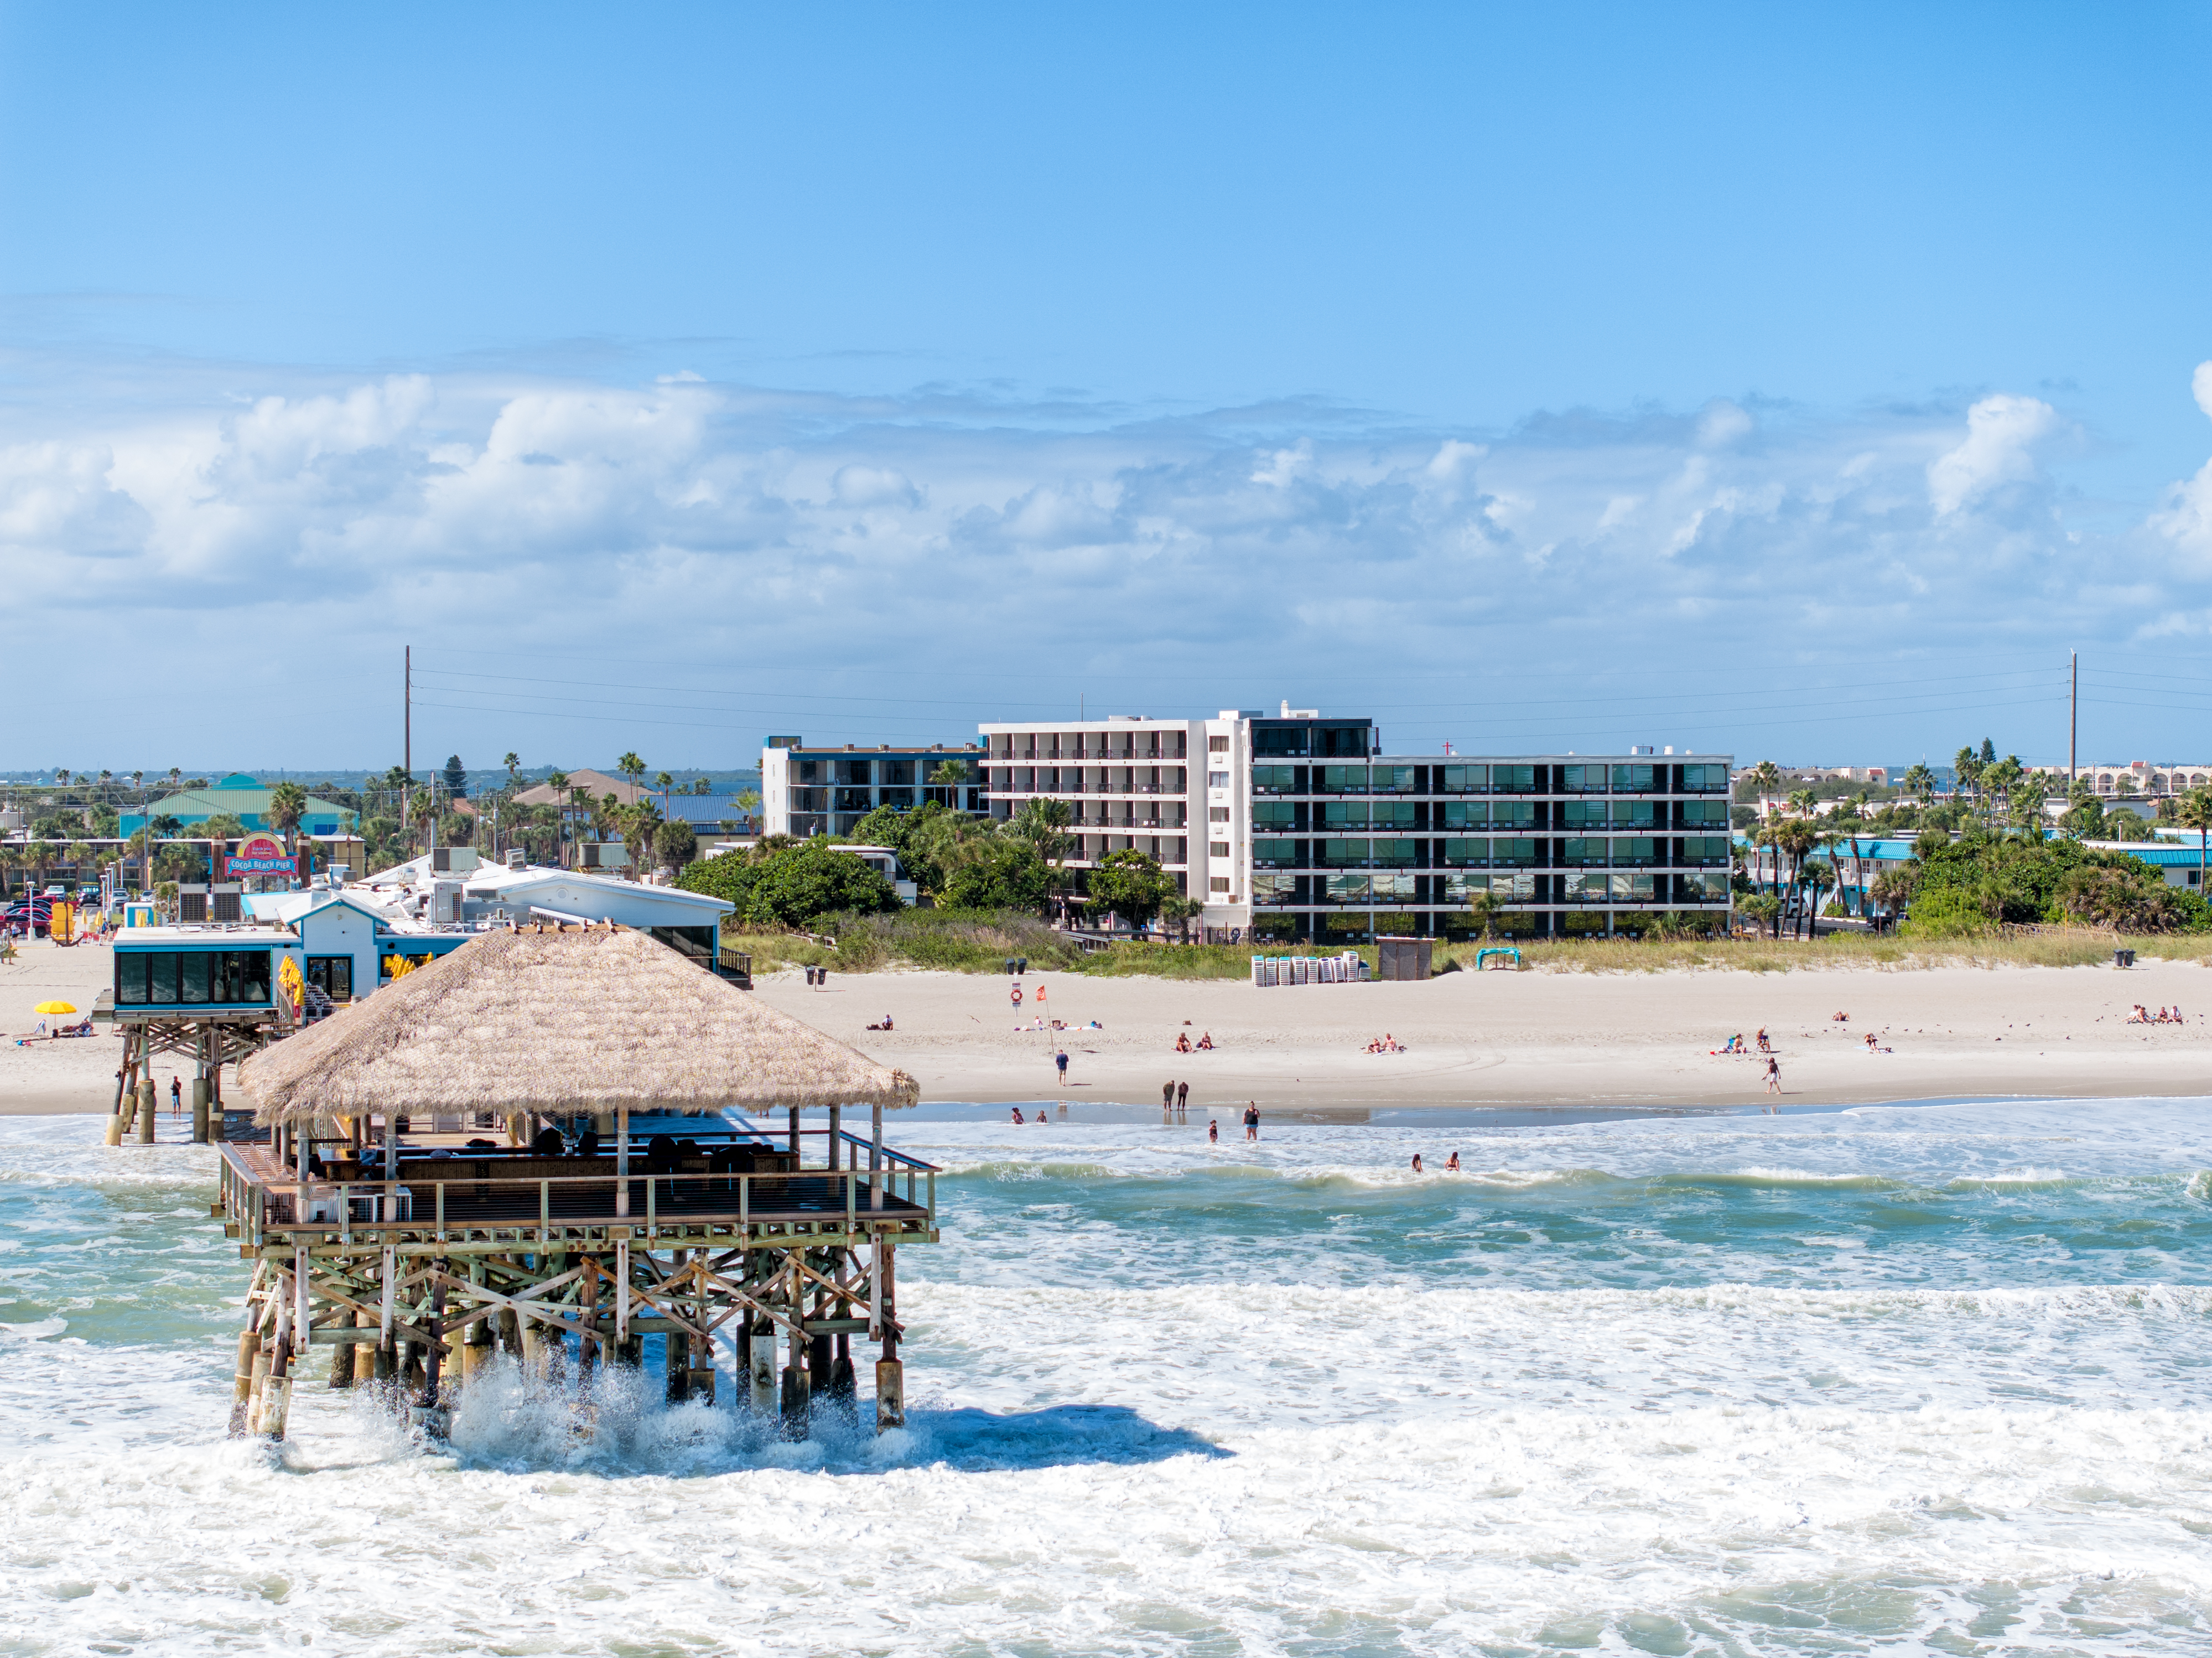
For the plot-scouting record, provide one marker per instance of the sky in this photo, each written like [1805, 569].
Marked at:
[1803, 383]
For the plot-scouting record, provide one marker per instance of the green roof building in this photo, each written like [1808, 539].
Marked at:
[239, 796]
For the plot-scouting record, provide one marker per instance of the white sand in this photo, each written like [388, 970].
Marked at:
[1537, 1039]
[1529, 1039]
[77, 1075]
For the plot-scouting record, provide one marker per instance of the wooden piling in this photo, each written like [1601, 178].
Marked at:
[199, 1111]
[146, 1112]
[241, 1382]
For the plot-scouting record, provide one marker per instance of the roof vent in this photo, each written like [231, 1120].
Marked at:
[517, 858]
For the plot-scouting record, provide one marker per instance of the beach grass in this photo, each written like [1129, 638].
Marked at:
[956, 942]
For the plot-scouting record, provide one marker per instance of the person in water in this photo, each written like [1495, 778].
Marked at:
[1018, 1115]
[1252, 1119]
[1416, 1162]
[1213, 1130]
[1452, 1163]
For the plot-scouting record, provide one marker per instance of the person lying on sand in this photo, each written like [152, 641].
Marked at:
[1840, 1018]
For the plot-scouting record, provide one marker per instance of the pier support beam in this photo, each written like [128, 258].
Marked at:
[242, 1383]
[146, 1111]
[199, 1111]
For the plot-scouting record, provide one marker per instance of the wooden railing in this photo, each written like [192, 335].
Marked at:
[854, 1197]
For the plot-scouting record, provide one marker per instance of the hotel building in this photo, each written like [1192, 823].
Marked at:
[826, 791]
[1299, 827]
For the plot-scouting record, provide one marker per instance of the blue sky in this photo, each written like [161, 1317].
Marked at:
[1798, 381]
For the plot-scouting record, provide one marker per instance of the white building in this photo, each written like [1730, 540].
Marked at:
[806, 792]
[2151, 778]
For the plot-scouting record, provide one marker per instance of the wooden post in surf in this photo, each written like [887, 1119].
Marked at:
[678, 1388]
[146, 1111]
[890, 1374]
[387, 1351]
[587, 1342]
[622, 1160]
[241, 1382]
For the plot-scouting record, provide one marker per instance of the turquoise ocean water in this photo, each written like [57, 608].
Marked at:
[1926, 1379]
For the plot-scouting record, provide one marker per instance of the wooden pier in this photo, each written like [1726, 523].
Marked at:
[588, 1172]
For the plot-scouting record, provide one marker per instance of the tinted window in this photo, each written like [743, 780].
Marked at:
[1460, 779]
[1274, 852]
[195, 972]
[1513, 779]
[131, 979]
[161, 986]
[1459, 851]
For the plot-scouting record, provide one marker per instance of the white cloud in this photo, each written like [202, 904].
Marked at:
[715, 525]
[2185, 519]
[2002, 432]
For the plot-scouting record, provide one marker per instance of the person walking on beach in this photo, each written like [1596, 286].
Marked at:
[1060, 1060]
[176, 1094]
[1167, 1098]
[1773, 1080]
[1252, 1121]
[1182, 1097]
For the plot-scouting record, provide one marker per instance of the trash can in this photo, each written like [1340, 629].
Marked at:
[2124, 958]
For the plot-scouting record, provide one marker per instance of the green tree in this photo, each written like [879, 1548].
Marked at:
[456, 778]
[288, 805]
[749, 803]
[1006, 875]
[631, 767]
[513, 762]
[2194, 810]
[950, 775]
[676, 843]
[1920, 783]
[640, 826]
[792, 885]
[1131, 885]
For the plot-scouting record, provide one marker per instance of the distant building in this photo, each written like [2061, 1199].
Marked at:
[238, 796]
[827, 791]
[2151, 778]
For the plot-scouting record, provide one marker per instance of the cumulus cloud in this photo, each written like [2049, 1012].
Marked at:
[2185, 519]
[718, 524]
[2002, 436]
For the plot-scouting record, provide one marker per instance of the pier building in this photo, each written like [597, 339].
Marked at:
[545, 1146]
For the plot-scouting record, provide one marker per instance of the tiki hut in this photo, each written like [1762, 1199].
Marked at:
[560, 1019]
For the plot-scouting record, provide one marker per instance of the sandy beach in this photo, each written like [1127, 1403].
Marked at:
[1529, 1040]
[1536, 1038]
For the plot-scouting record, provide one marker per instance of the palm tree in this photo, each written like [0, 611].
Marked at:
[513, 762]
[137, 782]
[663, 782]
[640, 826]
[631, 767]
[1920, 782]
[749, 803]
[2194, 811]
[948, 776]
[1804, 802]
[176, 775]
[288, 805]
[1765, 778]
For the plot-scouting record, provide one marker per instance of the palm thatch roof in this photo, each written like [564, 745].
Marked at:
[559, 1019]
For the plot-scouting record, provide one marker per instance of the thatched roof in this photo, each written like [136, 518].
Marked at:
[561, 1019]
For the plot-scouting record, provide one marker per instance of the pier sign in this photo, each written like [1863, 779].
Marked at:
[260, 854]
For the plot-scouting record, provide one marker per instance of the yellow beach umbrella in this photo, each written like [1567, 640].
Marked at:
[54, 1007]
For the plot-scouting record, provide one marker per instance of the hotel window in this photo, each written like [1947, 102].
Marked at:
[1458, 889]
[1395, 888]
[1342, 855]
[1274, 888]
[1392, 779]
[1461, 779]
[1515, 854]
[1339, 780]
[1697, 779]
[1586, 779]
[1338, 815]
[898, 771]
[1217, 780]
[1391, 814]
[1696, 813]
[1513, 814]
[1632, 814]
[1274, 780]
[1462, 814]
[1466, 854]
[1705, 849]
[1581, 814]
[1711, 889]
[1632, 780]
[1397, 854]
[1633, 889]
[1216, 814]
[1513, 889]
[1218, 884]
[1638, 849]
[1346, 888]
[810, 771]
[1589, 887]
[853, 771]
[1513, 779]
[1276, 854]
[1217, 745]
[1217, 848]
[1588, 851]
[1273, 814]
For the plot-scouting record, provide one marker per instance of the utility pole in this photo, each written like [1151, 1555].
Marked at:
[2073, 709]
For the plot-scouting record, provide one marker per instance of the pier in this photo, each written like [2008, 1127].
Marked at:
[545, 1146]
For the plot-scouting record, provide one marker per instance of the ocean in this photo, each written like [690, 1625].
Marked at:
[1894, 1380]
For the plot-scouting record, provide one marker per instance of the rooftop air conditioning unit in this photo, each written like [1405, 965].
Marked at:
[517, 858]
